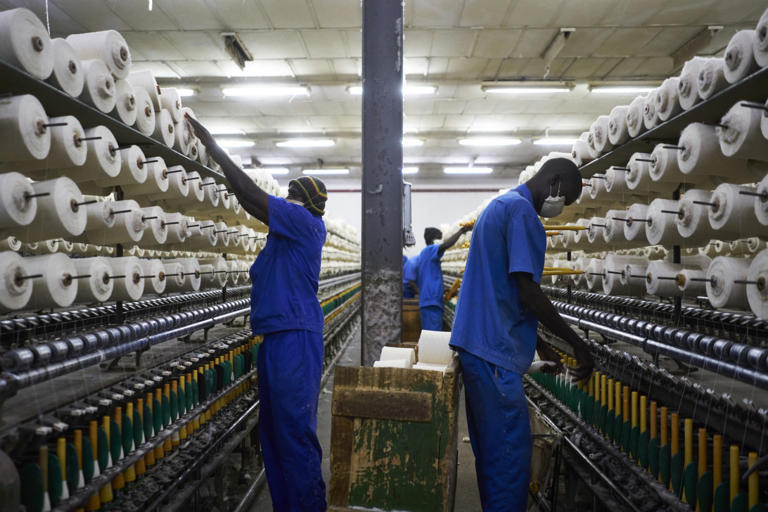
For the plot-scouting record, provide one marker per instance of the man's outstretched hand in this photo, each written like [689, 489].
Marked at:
[585, 364]
[201, 132]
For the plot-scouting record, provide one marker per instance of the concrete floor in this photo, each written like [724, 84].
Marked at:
[467, 496]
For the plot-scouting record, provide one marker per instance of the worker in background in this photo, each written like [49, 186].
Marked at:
[428, 277]
[285, 310]
[495, 328]
[410, 267]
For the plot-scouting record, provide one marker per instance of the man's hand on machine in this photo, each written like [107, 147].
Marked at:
[545, 367]
[585, 361]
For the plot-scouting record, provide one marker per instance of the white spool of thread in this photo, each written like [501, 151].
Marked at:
[711, 77]
[196, 193]
[739, 56]
[185, 135]
[156, 269]
[99, 218]
[67, 150]
[597, 188]
[760, 43]
[664, 166]
[57, 287]
[700, 151]
[761, 201]
[617, 125]
[755, 244]
[210, 189]
[191, 270]
[636, 216]
[157, 180]
[615, 180]
[171, 100]
[757, 286]
[742, 137]
[96, 288]
[594, 274]
[178, 187]
[613, 233]
[580, 152]
[99, 90]
[156, 231]
[633, 278]
[732, 214]
[174, 277]
[59, 213]
[594, 232]
[177, 226]
[145, 112]
[18, 207]
[222, 231]
[126, 275]
[23, 125]
[661, 228]
[67, 73]
[125, 102]
[233, 272]
[661, 278]
[613, 268]
[635, 124]
[666, 99]
[220, 269]
[687, 86]
[692, 282]
[638, 176]
[599, 131]
[10, 243]
[208, 276]
[16, 289]
[24, 42]
[107, 46]
[650, 113]
[128, 227]
[164, 128]
[434, 348]
[723, 290]
[145, 80]
[103, 159]
[133, 167]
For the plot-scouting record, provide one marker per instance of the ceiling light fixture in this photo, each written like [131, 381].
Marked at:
[621, 89]
[467, 170]
[235, 143]
[490, 141]
[411, 169]
[185, 91]
[555, 141]
[511, 90]
[282, 171]
[412, 142]
[266, 91]
[326, 172]
[410, 90]
[305, 143]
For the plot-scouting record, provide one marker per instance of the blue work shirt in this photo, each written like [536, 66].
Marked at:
[410, 273]
[429, 276]
[285, 274]
[490, 321]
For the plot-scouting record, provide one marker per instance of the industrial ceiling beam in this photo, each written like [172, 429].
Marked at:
[382, 181]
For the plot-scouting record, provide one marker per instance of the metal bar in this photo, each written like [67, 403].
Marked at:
[382, 180]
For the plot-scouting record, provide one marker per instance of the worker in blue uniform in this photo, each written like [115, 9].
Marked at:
[410, 269]
[495, 329]
[428, 276]
[285, 310]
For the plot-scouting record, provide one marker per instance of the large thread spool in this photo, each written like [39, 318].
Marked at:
[24, 125]
[660, 229]
[133, 167]
[661, 278]
[16, 289]
[761, 201]
[635, 124]
[757, 285]
[127, 277]
[692, 282]
[692, 221]
[67, 150]
[24, 42]
[732, 213]
[18, 206]
[156, 269]
[108, 46]
[740, 134]
[650, 112]
[699, 151]
[145, 112]
[60, 212]
[67, 72]
[164, 128]
[96, 288]
[638, 175]
[174, 276]
[617, 125]
[613, 269]
[99, 90]
[57, 286]
[126, 107]
[599, 131]
[711, 77]
[157, 180]
[190, 267]
[664, 166]
[178, 186]
[687, 86]
[171, 100]
[594, 274]
[739, 56]
[103, 158]
[666, 99]
[156, 232]
[145, 80]
[636, 217]
[725, 282]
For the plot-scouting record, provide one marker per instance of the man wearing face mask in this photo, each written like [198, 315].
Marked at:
[285, 310]
[427, 276]
[495, 328]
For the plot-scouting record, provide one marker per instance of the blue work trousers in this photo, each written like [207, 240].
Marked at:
[431, 318]
[500, 432]
[290, 365]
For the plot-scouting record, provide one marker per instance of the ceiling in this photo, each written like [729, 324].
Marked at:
[455, 45]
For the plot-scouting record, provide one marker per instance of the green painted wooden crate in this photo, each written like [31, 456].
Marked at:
[393, 440]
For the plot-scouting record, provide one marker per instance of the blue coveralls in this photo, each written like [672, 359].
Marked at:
[410, 269]
[285, 309]
[430, 281]
[496, 340]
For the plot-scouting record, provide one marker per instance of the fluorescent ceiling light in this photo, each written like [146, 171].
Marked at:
[467, 170]
[411, 169]
[185, 91]
[266, 91]
[493, 89]
[621, 89]
[326, 171]
[410, 90]
[555, 141]
[227, 131]
[306, 143]
[410, 142]
[235, 143]
[276, 170]
[490, 141]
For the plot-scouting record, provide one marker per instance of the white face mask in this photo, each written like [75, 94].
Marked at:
[553, 205]
[438, 241]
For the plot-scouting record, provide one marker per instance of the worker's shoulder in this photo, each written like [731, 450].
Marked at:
[511, 202]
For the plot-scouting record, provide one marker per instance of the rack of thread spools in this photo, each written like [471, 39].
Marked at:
[664, 254]
[118, 234]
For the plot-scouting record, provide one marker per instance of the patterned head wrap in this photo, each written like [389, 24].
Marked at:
[312, 193]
